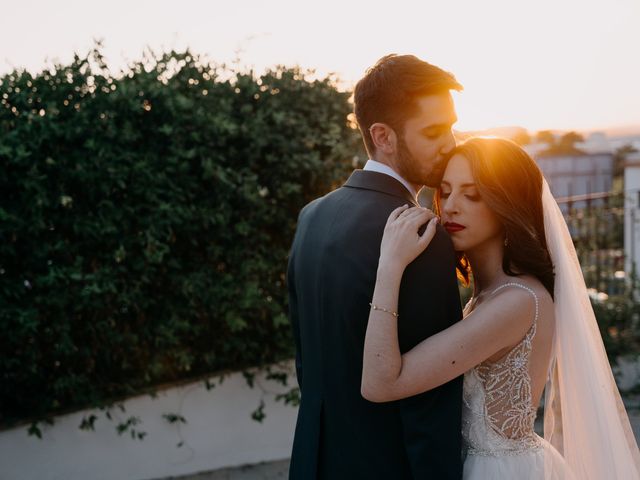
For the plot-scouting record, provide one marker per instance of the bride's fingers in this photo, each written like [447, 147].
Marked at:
[411, 213]
[424, 212]
[419, 216]
[428, 233]
[408, 212]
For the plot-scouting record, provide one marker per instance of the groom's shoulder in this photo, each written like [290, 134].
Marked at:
[323, 201]
[310, 206]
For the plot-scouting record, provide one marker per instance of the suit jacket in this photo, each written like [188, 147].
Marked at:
[331, 276]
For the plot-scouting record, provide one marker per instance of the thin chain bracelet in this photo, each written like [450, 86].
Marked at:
[375, 307]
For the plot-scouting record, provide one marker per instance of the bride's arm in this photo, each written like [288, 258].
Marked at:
[387, 374]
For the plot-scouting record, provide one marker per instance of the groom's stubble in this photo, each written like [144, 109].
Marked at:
[411, 169]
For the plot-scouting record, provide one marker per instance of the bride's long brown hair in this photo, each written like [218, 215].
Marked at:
[510, 183]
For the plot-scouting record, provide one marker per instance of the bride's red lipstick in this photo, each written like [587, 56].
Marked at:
[453, 227]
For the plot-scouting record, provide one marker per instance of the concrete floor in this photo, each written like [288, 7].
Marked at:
[262, 471]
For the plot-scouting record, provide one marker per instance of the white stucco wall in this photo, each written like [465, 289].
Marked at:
[219, 433]
[632, 215]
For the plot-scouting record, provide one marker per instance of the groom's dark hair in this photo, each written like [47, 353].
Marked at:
[388, 91]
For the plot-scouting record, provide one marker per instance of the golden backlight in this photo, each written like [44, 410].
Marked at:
[546, 64]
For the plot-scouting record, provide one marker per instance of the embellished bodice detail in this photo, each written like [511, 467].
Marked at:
[498, 411]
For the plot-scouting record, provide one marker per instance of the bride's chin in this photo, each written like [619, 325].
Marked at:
[457, 245]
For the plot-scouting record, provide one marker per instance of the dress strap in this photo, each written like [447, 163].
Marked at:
[515, 284]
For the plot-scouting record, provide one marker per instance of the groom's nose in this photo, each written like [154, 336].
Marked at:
[449, 143]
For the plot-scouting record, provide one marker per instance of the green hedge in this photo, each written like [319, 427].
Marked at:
[146, 218]
[619, 323]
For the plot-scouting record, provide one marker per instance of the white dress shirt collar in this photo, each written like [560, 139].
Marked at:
[375, 166]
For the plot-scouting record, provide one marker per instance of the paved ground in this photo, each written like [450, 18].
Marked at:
[262, 471]
[278, 470]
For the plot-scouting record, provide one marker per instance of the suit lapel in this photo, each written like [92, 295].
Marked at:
[379, 182]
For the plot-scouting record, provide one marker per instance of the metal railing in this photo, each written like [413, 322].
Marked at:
[597, 229]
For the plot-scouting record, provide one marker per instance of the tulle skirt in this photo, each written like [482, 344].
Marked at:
[542, 463]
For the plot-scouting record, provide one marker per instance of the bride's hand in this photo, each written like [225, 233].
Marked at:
[401, 243]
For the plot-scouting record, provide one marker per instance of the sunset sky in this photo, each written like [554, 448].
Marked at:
[564, 64]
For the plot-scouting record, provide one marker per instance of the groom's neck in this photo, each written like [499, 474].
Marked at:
[393, 166]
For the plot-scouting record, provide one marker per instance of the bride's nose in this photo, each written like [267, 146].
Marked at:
[450, 205]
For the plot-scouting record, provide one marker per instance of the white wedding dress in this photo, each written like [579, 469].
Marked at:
[584, 418]
[498, 417]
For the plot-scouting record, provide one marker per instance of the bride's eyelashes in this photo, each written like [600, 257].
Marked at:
[473, 198]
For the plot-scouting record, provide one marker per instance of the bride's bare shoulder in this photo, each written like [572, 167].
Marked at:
[545, 299]
[521, 310]
[518, 303]
[536, 285]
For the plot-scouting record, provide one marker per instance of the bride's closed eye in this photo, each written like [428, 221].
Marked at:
[473, 197]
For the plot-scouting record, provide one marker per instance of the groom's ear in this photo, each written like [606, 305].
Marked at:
[383, 137]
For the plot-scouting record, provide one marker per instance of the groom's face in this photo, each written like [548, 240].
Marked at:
[426, 139]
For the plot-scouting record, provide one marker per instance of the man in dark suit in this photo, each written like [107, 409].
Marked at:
[405, 113]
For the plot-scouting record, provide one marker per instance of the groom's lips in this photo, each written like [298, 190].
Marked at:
[452, 227]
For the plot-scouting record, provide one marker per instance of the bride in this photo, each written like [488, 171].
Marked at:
[528, 329]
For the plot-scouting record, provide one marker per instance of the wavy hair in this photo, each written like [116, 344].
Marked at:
[510, 183]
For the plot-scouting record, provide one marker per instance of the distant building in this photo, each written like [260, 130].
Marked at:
[582, 181]
[582, 185]
[632, 213]
[577, 176]
[596, 142]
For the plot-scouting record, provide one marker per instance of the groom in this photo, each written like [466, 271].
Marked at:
[405, 113]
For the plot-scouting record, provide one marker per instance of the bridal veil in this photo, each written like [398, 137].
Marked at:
[585, 419]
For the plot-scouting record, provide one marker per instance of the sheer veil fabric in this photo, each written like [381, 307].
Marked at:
[584, 418]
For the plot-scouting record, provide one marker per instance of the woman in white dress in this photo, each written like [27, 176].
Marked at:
[524, 328]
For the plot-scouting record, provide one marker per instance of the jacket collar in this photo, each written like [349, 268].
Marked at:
[379, 182]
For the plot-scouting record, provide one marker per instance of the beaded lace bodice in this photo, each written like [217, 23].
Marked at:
[498, 412]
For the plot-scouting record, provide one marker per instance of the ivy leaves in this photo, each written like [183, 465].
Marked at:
[145, 222]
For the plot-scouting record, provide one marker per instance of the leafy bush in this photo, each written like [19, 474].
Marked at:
[619, 323]
[146, 219]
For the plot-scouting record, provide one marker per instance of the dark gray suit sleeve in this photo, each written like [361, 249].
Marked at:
[293, 316]
[429, 302]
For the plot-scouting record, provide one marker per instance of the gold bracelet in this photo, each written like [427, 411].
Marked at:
[375, 307]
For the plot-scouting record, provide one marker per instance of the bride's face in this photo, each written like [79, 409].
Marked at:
[468, 219]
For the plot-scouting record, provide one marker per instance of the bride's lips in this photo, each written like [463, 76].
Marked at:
[453, 227]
